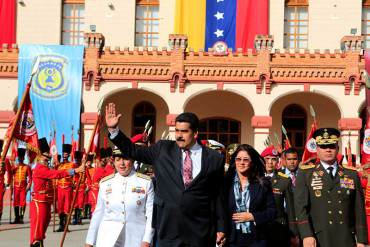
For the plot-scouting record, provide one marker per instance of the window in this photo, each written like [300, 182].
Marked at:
[223, 130]
[147, 22]
[73, 22]
[365, 27]
[296, 24]
[143, 112]
[294, 120]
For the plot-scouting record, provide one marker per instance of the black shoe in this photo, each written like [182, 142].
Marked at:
[61, 223]
[16, 213]
[37, 243]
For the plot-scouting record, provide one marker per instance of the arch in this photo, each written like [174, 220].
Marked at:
[317, 92]
[209, 90]
[126, 99]
[222, 104]
[321, 103]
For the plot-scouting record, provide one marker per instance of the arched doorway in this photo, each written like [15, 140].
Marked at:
[291, 110]
[224, 116]
[294, 120]
[137, 106]
[141, 114]
[223, 130]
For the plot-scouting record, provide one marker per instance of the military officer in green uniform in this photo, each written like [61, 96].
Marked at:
[329, 200]
[283, 230]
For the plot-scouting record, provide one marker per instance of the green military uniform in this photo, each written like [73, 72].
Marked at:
[145, 169]
[330, 209]
[283, 228]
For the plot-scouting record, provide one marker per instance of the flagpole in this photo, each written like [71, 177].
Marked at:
[54, 183]
[79, 181]
[20, 108]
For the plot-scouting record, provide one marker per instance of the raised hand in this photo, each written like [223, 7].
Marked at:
[111, 119]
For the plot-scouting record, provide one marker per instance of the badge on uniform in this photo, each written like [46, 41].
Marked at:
[347, 183]
[317, 193]
[316, 183]
[138, 202]
[276, 191]
[108, 191]
[139, 190]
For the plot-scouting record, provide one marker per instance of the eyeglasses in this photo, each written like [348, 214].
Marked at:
[241, 159]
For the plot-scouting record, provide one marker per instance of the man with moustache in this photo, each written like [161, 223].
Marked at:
[328, 198]
[189, 177]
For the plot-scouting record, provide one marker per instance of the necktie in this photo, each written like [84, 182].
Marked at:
[187, 169]
[292, 176]
[330, 170]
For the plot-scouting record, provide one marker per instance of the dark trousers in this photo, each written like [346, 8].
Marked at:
[247, 240]
[172, 243]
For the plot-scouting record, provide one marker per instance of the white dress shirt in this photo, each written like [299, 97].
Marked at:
[196, 159]
[326, 166]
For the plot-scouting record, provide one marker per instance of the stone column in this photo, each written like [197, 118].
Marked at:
[261, 126]
[170, 120]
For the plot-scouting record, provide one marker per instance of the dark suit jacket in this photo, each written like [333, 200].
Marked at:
[193, 214]
[262, 206]
[331, 210]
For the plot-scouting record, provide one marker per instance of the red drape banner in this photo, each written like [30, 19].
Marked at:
[7, 21]
[252, 18]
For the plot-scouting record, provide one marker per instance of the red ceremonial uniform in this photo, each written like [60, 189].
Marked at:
[99, 173]
[366, 186]
[65, 189]
[42, 198]
[81, 191]
[109, 169]
[3, 170]
[22, 179]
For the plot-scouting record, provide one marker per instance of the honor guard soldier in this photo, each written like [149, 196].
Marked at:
[106, 160]
[283, 230]
[99, 174]
[80, 199]
[42, 195]
[4, 169]
[123, 214]
[65, 187]
[328, 197]
[21, 184]
[90, 170]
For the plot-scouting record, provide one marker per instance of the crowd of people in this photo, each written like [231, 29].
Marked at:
[192, 193]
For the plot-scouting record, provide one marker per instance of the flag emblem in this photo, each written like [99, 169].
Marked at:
[28, 127]
[366, 146]
[311, 145]
[49, 81]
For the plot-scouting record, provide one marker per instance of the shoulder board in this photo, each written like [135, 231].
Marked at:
[140, 175]
[350, 168]
[283, 175]
[307, 166]
[107, 178]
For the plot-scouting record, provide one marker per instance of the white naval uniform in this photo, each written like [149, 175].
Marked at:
[123, 214]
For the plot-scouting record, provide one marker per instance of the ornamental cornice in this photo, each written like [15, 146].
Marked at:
[179, 65]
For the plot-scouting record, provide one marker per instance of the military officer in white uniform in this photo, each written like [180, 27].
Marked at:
[123, 214]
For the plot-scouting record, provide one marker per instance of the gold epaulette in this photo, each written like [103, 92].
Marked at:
[107, 178]
[140, 175]
[307, 166]
[350, 168]
[283, 175]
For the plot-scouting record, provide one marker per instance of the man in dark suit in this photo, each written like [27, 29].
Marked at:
[189, 178]
[328, 198]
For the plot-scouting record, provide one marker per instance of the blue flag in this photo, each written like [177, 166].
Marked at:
[220, 22]
[55, 90]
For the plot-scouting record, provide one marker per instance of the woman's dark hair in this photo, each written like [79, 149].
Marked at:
[257, 169]
[189, 117]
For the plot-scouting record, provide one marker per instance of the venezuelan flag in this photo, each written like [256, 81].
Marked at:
[236, 22]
